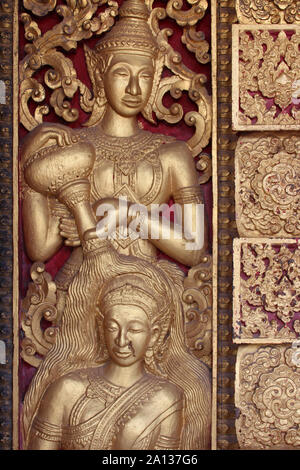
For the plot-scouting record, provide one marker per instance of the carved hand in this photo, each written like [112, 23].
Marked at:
[68, 229]
[42, 134]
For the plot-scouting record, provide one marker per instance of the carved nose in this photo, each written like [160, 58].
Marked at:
[122, 339]
[133, 87]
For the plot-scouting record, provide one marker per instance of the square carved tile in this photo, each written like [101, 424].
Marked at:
[267, 184]
[267, 396]
[265, 77]
[266, 304]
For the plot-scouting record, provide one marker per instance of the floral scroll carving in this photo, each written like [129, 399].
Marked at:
[270, 11]
[39, 305]
[267, 283]
[267, 81]
[197, 297]
[78, 23]
[267, 185]
[267, 397]
[188, 19]
[40, 7]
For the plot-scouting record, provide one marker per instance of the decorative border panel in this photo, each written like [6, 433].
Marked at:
[266, 305]
[267, 397]
[267, 185]
[266, 81]
[265, 89]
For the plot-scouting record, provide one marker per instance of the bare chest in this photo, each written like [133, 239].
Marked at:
[129, 167]
[143, 181]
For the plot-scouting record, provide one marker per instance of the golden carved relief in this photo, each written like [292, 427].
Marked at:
[268, 12]
[67, 175]
[41, 304]
[267, 185]
[266, 68]
[40, 7]
[267, 397]
[125, 366]
[197, 298]
[266, 298]
[38, 305]
[80, 21]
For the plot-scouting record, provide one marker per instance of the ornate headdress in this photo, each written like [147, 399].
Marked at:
[131, 32]
[152, 294]
[132, 289]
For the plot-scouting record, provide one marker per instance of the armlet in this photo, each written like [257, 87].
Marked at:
[188, 195]
[47, 431]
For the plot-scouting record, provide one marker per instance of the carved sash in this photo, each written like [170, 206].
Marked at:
[112, 415]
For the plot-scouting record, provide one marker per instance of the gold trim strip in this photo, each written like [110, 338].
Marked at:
[15, 424]
[214, 223]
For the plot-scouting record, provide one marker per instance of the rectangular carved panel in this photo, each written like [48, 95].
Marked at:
[266, 297]
[267, 185]
[268, 396]
[266, 72]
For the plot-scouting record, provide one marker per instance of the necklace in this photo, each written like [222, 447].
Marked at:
[99, 387]
[125, 150]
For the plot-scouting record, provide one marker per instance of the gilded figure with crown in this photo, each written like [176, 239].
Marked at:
[119, 374]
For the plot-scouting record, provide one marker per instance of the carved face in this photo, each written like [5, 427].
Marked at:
[128, 334]
[128, 83]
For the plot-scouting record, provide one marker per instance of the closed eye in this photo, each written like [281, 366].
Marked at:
[111, 328]
[121, 72]
[146, 76]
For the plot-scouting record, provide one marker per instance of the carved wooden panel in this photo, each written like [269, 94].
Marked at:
[267, 185]
[266, 70]
[266, 297]
[55, 87]
[266, 310]
[267, 397]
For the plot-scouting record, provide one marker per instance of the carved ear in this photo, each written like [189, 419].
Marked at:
[156, 330]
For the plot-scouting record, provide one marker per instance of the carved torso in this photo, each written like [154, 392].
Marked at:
[129, 167]
[106, 416]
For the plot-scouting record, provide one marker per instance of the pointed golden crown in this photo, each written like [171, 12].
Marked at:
[131, 32]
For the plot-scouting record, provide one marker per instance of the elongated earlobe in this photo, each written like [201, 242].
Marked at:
[155, 335]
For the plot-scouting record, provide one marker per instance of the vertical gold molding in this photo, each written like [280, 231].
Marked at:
[226, 230]
[214, 222]
[15, 231]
